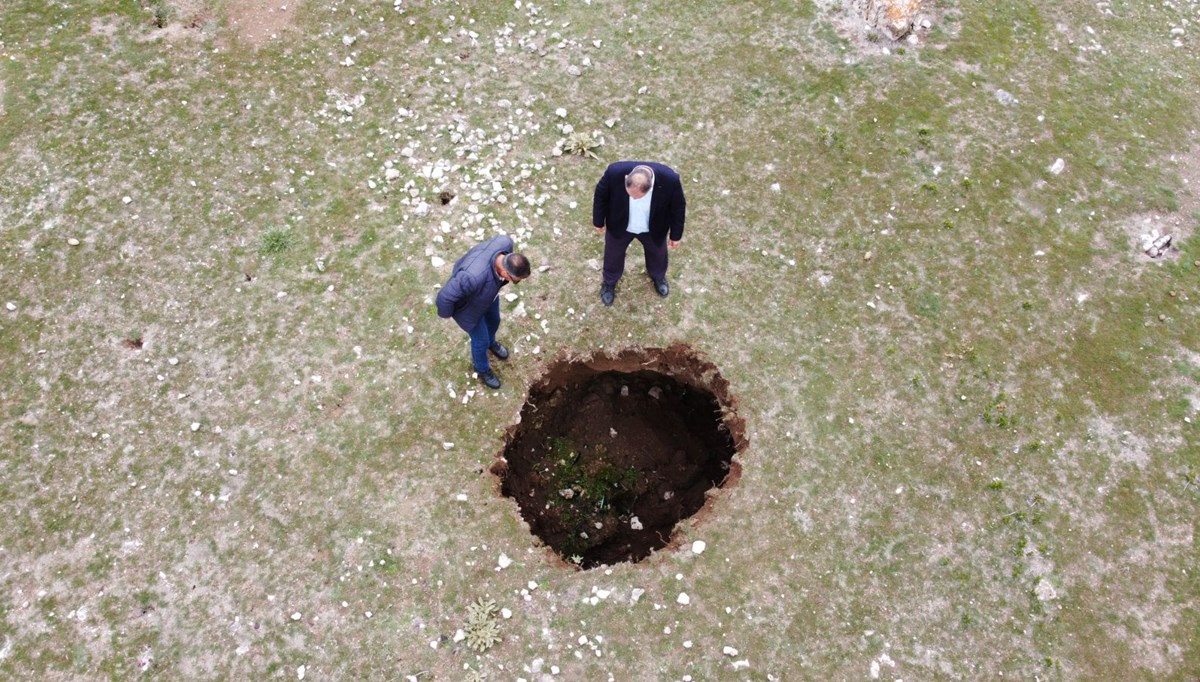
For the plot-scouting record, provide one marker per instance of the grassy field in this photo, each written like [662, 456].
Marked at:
[236, 442]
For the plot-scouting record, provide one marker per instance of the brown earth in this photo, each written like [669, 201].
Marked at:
[610, 455]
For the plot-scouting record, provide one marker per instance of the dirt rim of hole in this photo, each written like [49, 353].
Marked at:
[613, 451]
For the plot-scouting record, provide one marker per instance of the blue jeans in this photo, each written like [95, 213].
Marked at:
[483, 335]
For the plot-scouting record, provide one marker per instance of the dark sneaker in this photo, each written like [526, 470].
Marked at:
[608, 292]
[490, 379]
[499, 350]
[660, 285]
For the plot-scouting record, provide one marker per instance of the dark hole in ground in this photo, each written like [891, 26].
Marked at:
[611, 453]
[133, 343]
[445, 196]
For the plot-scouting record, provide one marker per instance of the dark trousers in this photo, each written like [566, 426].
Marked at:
[614, 255]
[483, 336]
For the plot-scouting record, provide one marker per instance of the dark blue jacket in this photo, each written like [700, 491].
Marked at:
[668, 208]
[473, 283]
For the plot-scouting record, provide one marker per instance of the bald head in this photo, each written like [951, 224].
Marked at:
[639, 181]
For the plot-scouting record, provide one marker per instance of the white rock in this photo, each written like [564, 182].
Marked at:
[348, 40]
[1005, 97]
[195, 426]
[729, 651]
[173, 361]
[10, 306]
[504, 561]
[506, 613]
[739, 665]
[300, 673]
[437, 261]
[459, 635]
[126, 200]
[391, 174]
[560, 112]
[73, 241]
[1058, 166]
[1045, 590]
[683, 599]
[635, 594]
[447, 445]
[698, 547]
[296, 616]
[635, 523]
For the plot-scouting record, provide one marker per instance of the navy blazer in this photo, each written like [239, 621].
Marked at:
[668, 208]
[473, 284]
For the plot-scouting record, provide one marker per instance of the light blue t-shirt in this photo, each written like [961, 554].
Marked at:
[639, 214]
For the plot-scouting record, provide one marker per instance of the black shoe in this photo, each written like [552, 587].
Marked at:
[490, 379]
[661, 286]
[608, 292]
[499, 350]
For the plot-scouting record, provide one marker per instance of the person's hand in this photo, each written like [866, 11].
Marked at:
[672, 243]
[600, 229]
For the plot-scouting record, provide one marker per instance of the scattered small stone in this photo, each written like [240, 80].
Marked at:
[506, 613]
[73, 241]
[300, 672]
[560, 112]
[698, 547]
[1058, 166]
[636, 594]
[503, 562]
[437, 261]
[729, 651]
[10, 306]
[195, 426]
[1045, 590]
[635, 523]
[173, 361]
[567, 493]
[1005, 97]
[459, 635]
[126, 200]
[683, 599]
[655, 393]
[296, 616]
[868, 255]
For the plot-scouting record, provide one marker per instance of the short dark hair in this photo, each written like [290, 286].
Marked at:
[640, 178]
[517, 265]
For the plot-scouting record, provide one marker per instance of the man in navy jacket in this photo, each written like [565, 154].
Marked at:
[472, 297]
[643, 201]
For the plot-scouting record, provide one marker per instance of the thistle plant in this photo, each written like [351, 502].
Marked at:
[483, 632]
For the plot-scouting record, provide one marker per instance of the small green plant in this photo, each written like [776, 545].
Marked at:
[582, 144]
[996, 412]
[275, 240]
[483, 632]
[161, 12]
[996, 484]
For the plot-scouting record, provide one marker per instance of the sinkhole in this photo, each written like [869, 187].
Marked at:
[612, 452]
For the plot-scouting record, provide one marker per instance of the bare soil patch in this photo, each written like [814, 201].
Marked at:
[259, 21]
[612, 453]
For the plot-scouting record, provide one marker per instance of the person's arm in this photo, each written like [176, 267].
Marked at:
[600, 202]
[678, 214]
[448, 296]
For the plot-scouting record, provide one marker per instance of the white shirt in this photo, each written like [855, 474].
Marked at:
[639, 214]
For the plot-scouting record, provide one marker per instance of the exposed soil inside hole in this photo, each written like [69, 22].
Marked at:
[611, 453]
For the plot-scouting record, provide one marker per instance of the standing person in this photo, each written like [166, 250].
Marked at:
[643, 201]
[472, 297]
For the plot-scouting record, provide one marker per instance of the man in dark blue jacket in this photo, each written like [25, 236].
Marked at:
[472, 297]
[643, 201]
